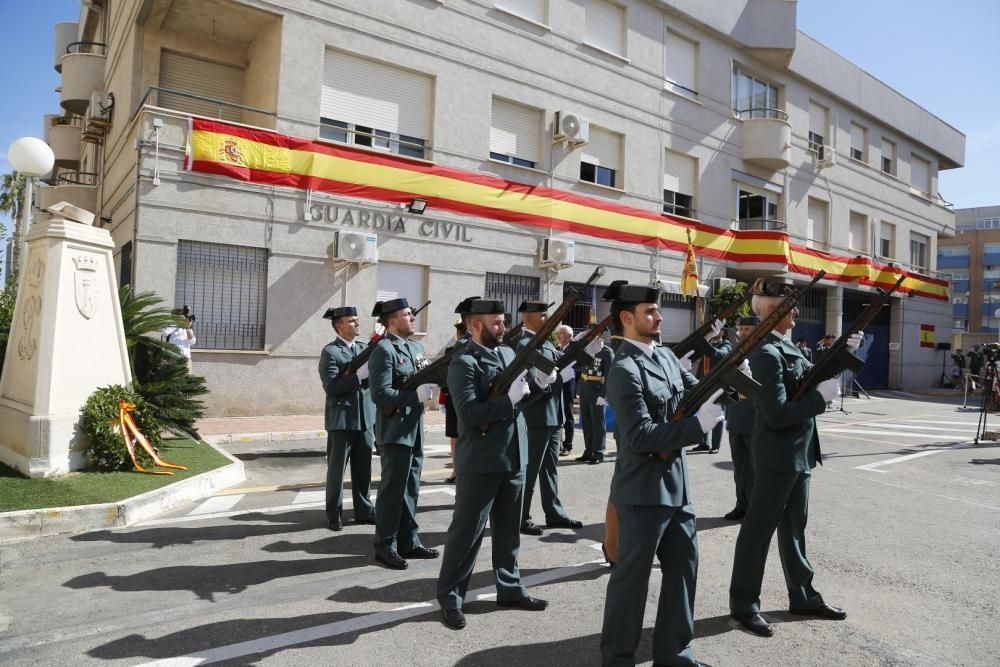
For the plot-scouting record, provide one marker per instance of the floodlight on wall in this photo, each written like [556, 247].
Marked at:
[417, 206]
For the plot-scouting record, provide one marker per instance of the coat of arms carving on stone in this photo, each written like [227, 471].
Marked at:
[84, 283]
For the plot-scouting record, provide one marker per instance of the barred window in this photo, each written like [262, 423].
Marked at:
[512, 290]
[126, 265]
[225, 287]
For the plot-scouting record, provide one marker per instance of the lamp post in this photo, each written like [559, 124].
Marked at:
[30, 158]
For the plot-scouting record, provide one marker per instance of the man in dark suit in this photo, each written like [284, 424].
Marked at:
[401, 436]
[492, 456]
[564, 336]
[650, 486]
[349, 418]
[803, 346]
[785, 448]
[593, 396]
[739, 422]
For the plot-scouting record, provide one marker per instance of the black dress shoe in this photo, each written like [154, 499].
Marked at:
[714, 451]
[335, 525]
[528, 603]
[596, 460]
[529, 528]
[607, 559]
[564, 523]
[826, 611]
[755, 623]
[735, 515]
[587, 457]
[421, 552]
[366, 521]
[700, 448]
[392, 560]
[450, 480]
[453, 618]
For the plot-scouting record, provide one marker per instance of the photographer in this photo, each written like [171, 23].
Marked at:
[182, 337]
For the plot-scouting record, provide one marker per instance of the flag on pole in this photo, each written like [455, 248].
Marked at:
[689, 276]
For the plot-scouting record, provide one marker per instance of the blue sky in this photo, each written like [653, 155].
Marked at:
[945, 57]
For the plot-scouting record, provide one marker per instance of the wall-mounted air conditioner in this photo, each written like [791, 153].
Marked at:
[356, 248]
[570, 127]
[558, 253]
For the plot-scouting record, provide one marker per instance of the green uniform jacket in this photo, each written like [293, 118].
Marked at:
[349, 404]
[393, 359]
[545, 406]
[600, 367]
[784, 434]
[503, 446]
[740, 416]
[643, 394]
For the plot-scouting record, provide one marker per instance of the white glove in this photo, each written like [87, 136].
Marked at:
[425, 391]
[567, 373]
[854, 341]
[363, 372]
[594, 346]
[543, 380]
[600, 401]
[710, 413]
[580, 335]
[716, 330]
[829, 389]
[685, 361]
[519, 389]
[745, 368]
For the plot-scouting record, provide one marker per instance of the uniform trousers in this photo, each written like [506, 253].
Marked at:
[594, 429]
[398, 490]
[543, 459]
[356, 447]
[739, 448]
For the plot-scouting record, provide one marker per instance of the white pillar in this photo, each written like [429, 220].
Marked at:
[834, 311]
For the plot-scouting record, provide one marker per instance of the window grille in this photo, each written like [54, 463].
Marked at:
[512, 290]
[126, 265]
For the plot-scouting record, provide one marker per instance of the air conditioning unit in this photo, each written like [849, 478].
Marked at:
[570, 127]
[719, 284]
[356, 248]
[558, 253]
[97, 119]
[824, 157]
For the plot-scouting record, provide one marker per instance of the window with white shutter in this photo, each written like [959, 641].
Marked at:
[680, 176]
[920, 173]
[888, 157]
[682, 64]
[376, 105]
[816, 224]
[859, 142]
[857, 234]
[605, 26]
[818, 128]
[208, 82]
[600, 159]
[532, 10]
[515, 133]
[403, 280]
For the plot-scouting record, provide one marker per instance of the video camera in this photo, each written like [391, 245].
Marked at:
[186, 312]
[991, 352]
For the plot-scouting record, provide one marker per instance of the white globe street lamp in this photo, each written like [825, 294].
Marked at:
[31, 158]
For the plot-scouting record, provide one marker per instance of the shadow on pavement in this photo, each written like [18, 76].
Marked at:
[593, 532]
[159, 538]
[346, 543]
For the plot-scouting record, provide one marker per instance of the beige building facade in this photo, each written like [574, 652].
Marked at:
[546, 137]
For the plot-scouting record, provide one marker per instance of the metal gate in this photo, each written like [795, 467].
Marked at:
[677, 312]
[512, 290]
[875, 349]
[811, 322]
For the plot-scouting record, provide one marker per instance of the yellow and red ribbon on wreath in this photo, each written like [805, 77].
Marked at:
[126, 426]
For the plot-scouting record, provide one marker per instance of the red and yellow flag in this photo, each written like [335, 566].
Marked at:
[926, 335]
[689, 276]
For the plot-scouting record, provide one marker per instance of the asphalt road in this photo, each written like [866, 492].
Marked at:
[903, 534]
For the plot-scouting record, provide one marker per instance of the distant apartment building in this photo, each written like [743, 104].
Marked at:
[971, 260]
[263, 161]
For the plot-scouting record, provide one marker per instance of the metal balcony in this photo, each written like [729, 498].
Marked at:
[78, 188]
[760, 225]
[767, 137]
[82, 75]
[65, 35]
[64, 138]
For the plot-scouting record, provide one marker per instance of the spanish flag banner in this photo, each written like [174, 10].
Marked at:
[689, 276]
[261, 156]
[927, 335]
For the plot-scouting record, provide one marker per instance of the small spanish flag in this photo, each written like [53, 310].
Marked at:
[926, 335]
[689, 276]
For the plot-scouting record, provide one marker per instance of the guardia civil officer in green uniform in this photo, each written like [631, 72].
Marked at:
[349, 419]
[651, 495]
[739, 423]
[592, 388]
[401, 436]
[544, 415]
[492, 456]
[785, 448]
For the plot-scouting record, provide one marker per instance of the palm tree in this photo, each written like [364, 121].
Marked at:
[12, 203]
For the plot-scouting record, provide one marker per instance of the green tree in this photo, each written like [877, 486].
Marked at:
[159, 371]
[12, 202]
[728, 295]
[7, 297]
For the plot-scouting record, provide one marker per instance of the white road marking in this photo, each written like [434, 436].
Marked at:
[921, 426]
[216, 504]
[874, 467]
[900, 434]
[351, 625]
[938, 421]
[310, 496]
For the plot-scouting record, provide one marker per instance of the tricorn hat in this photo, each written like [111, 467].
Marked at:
[463, 306]
[343, 311]
[749, 321]
[533, 307]
[772, 287]
[484, 307]
[389, 307]
[619, 291]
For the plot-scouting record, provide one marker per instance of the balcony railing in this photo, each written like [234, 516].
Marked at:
[64, 138]
[82, 75]
[162, 97]
[761, 112]
[761, 225]
[767, 137]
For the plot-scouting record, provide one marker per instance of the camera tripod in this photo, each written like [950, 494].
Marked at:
[989, 398]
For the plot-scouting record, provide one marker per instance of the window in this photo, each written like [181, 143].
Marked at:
[680, 176]
[512, 290]
[515, 133]
[857, 233]
[887, 240]
[600, 159]
[757, 208]
[953, 251]
[888, 157]
[816, 224]
[682, 64]
[987, 223]
[920, 173]
[605, 28]
[753, 98]
[125, 271]
[818, 124]
[375, 105]
[859, 143]
[918, 251]
[204, 79]
[225, 286]
[532, 10]
[403, 280]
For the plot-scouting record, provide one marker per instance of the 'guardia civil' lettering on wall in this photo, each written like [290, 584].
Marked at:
[387, 222]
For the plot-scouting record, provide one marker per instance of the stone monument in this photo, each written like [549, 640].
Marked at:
[66, 340]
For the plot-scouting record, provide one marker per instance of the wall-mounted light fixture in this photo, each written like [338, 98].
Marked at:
[417, 206]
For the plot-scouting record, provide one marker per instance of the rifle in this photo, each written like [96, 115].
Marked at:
[508, 338]
[362, 359]
[529, 355]
[838, 358]
[695, 341]
[435, 372]
[576, 350]
[726, 372]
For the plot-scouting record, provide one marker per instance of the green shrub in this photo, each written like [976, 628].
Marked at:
[7, 296]
[106, 447]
